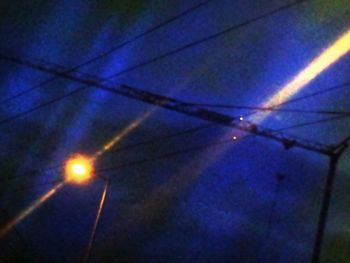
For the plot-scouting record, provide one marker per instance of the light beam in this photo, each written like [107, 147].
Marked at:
[120, 135]
[36, 204]
[97, 219]
[327, 58]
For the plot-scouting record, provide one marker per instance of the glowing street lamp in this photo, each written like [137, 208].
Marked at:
[79, 169]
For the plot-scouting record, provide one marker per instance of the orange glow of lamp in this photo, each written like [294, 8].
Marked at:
[79, 169]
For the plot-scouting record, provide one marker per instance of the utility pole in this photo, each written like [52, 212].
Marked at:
[333, 152]
[327, 195]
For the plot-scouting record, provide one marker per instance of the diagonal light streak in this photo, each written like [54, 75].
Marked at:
[97, 219]
[120, 135]
[322, 62]
[36, 204]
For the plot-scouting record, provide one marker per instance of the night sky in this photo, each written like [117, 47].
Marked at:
[181, 189]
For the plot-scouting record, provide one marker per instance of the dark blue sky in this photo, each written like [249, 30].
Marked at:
[202, 206]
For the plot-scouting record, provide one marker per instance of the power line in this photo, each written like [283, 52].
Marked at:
[168, 155]
[184, 108]
[308, 96]
[165, 156]
[232, 28]
[124, 148]
[181, 107]
[271, 109]
[317, 93]
[33, 172]
[171, 154]
[28, 187]
[108, 52]
[160, 138]
[179, 152]
[130, 146]
[314, 94]
[176, 153]
[41, 105]
[304, 124]
[207, 38]
[274, 108]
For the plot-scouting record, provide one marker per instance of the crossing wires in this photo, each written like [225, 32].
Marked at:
[146, 62]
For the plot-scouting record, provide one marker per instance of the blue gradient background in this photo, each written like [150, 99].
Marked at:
[211, 206]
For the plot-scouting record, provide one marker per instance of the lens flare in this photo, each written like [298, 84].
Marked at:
[35, 205]
[79, 169]
[123, 133]
[328, 57]
[97, 219]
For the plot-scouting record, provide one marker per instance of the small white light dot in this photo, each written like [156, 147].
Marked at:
[241, 118]
[234, 138]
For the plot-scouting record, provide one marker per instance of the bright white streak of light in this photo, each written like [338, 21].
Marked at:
[328, 57]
